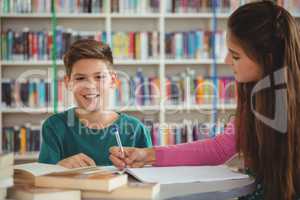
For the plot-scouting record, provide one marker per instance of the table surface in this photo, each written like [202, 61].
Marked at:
[207, 190]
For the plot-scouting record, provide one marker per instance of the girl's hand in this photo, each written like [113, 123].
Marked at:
[78, 160]
[133, 157]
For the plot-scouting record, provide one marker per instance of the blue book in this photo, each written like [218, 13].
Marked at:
[41, 47]
[177, 135]
[199, 43]
[42, 93]
[191, 45]
[59, 43]
[10, 44]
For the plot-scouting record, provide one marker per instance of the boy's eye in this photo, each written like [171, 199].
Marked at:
[100, 77]
[79, 78]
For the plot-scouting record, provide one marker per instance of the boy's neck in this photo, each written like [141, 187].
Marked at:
[99, 117]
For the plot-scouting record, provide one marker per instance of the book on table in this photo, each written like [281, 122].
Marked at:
[55, 176]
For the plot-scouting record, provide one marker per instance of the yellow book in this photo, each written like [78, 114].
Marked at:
[23, 140]
[138, 46]
[55, 176]
[200, 90]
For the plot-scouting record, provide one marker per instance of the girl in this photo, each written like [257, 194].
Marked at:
[264, 50]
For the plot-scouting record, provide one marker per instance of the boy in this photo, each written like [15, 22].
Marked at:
[82, 136]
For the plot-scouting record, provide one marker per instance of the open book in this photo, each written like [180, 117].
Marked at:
[184, 174]
[55, 176]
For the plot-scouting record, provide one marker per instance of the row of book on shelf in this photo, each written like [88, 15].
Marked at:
[129, 6]
[27, 138]
[44, 6]
[133, 6]
[221, 6]
[138, 90]
[30, 45]
[196, 44]
[36, 45]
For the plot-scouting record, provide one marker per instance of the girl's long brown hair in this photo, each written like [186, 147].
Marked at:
[270, 36]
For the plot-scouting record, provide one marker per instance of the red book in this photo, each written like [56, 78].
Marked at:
[35, 46]
[168, 89]
[131, 49]
[30, 38]
[49, 46]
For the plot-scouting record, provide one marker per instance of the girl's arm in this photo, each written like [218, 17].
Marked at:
[212, 151]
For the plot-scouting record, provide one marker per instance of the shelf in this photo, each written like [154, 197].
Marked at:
[121, 62]
[127, 108]
[201, 107]
[30, 63]
[27, 156]
[59, 15]
[60, 62]
[204, 15]
[138, 108]
[137, 62]
[27, 110]
[192, 61]
[195, 15]
[135, 16]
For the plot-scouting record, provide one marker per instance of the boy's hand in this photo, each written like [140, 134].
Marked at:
[78, 160]
[134, 157]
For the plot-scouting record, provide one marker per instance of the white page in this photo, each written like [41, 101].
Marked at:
[184, 174]
[39, 169]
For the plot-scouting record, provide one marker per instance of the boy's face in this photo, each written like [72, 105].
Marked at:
[90, 82]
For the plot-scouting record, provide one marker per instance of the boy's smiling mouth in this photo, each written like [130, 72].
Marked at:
[90, 96]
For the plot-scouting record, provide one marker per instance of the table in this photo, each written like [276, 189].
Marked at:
[207, 191]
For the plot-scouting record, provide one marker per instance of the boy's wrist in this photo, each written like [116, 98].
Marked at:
[150, 156]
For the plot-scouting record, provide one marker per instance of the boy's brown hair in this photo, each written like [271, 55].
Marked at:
[85, 49]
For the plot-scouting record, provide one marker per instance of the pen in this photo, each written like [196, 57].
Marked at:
[115, 130]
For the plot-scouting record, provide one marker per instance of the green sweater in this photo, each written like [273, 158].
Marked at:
[64, 135]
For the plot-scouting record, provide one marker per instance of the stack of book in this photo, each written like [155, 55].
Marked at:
[43, 181]
[44, 6]
[6, 173]
[195, 44]
[21, 139]
[133, 6]
[36, 45]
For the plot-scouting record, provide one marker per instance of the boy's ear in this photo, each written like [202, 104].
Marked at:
[113, 79]
[67, 82]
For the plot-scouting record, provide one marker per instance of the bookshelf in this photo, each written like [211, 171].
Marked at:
[108, 21]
